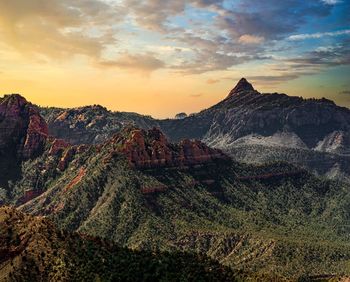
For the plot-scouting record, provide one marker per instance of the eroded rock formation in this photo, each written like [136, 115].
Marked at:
[23, 130]
[150, 148]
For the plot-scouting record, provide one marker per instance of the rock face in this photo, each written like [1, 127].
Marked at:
[150, 149]
[23, 135]
[245, 112]
[23, 130]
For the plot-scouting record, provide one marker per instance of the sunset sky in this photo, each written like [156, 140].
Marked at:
[161, 57]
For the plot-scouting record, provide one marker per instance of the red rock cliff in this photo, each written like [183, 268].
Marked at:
[23, 130]
[149, 149]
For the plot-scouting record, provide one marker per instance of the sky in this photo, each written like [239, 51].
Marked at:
[162, 57]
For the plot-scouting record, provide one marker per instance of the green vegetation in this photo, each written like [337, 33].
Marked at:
[260, 220]
[32, 249]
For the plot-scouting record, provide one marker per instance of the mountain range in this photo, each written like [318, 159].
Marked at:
[250, 126]
[156, 186]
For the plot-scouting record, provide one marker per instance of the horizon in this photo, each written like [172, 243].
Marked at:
[166, 117]
[160, 58]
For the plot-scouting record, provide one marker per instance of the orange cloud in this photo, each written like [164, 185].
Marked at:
[250, 39]
[144, 62]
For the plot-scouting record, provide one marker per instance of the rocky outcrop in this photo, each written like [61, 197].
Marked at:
[24, 136]
[150, 149]
[23, 130]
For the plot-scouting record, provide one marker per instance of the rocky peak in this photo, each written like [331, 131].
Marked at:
[242, 85]
[11, 105]
[23, 130]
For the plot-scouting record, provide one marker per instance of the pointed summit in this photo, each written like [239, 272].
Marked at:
[242, 85]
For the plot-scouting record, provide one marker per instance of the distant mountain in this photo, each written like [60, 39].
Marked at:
[278, 119]
[246, 120]
[91, 124]
[33, 249]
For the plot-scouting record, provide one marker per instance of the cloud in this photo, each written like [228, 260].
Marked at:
[307, 63]
[247, 31]
[250, 39]
[155, 14]
[318, 35]
[207, 61]
[58, 28]
[212, 53]
[331, 2]
[323, 57]
[273, 79]
[270, 19]
[143, 62]
[213, 35]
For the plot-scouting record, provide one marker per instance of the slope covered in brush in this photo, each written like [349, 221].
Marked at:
[33, 249]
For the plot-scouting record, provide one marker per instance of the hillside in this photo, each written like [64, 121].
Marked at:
[33, 249]
[243, 216]
[251, 218]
